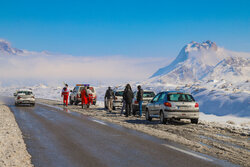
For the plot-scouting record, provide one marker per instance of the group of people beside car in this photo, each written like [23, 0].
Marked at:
[128, 96]
[86, 96]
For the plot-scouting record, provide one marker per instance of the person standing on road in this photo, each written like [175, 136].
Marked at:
[84, 96]
[90, 97]
[65, 95]
[139, 99]
[128, 97]
[109, 95]
[123, 103]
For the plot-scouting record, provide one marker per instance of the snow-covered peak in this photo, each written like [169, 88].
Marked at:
[5, 47]
[195, 46]
[204, 54]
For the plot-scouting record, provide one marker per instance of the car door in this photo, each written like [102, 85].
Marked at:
[153, 104]
[160, 102]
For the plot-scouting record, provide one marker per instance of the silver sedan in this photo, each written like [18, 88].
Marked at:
[173, 105]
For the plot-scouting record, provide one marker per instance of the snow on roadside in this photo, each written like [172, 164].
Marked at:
[13, 149]
[211, 101]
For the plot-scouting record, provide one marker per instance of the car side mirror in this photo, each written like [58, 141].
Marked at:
[15, 94]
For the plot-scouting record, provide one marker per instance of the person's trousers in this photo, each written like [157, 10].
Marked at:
[140, 108]
[65, 99]
[110, 104]
[128, 108]
[123, 106]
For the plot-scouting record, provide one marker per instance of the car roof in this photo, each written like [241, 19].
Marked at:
[28, 90]
[174, 92]
[120, 90]
[148, 91]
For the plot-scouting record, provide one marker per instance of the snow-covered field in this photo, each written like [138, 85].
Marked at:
[215, 106]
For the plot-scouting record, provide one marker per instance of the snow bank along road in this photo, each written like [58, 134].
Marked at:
[12, 148]
[57, 137]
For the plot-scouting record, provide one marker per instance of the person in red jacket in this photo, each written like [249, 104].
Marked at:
[65, 95]
[84, 96]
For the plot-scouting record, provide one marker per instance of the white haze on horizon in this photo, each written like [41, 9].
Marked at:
[46, 68]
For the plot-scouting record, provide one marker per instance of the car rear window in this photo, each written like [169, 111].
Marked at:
[24, 92]
[180, 97]
[119, 93]
[148, 94]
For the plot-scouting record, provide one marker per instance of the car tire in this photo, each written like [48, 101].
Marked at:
[147, 115]
[76, 102]
[113, 107]
[194, 121]
[162, 119]
[94, 102]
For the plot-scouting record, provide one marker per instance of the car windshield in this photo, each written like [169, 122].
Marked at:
[119, 93]
[180, 97]
[24, 92]
[148, 94]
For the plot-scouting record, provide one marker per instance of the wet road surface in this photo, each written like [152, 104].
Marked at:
[59, 138]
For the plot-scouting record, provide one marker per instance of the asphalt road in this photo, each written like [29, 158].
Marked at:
[58, 138]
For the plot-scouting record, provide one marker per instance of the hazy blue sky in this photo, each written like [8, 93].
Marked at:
[124, 27]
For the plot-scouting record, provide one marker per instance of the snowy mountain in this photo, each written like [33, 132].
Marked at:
[203, 61]
[233, 69]
[5, 48]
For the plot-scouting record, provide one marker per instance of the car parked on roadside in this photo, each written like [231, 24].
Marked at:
[173, 105]
[75, 95]
[148, 95]
[117, 102]
[24, 96]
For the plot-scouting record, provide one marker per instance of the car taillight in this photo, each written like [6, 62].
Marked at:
[77, 96]
[196, 105]
[18, 97]
[115, 98]
[136, 102]
[167, 104]
[33, 97]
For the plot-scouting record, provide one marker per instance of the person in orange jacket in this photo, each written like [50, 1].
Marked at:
[65, 95]
[90, 96]
[84, 96]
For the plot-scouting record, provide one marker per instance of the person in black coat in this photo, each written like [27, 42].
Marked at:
[128, 97]
[109, 95]
[139, 99]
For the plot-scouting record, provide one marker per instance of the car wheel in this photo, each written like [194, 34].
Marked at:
[148, 118]
[76, 102]
[113, 107]
[162, 119]
[194, 121]
[94, 102]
